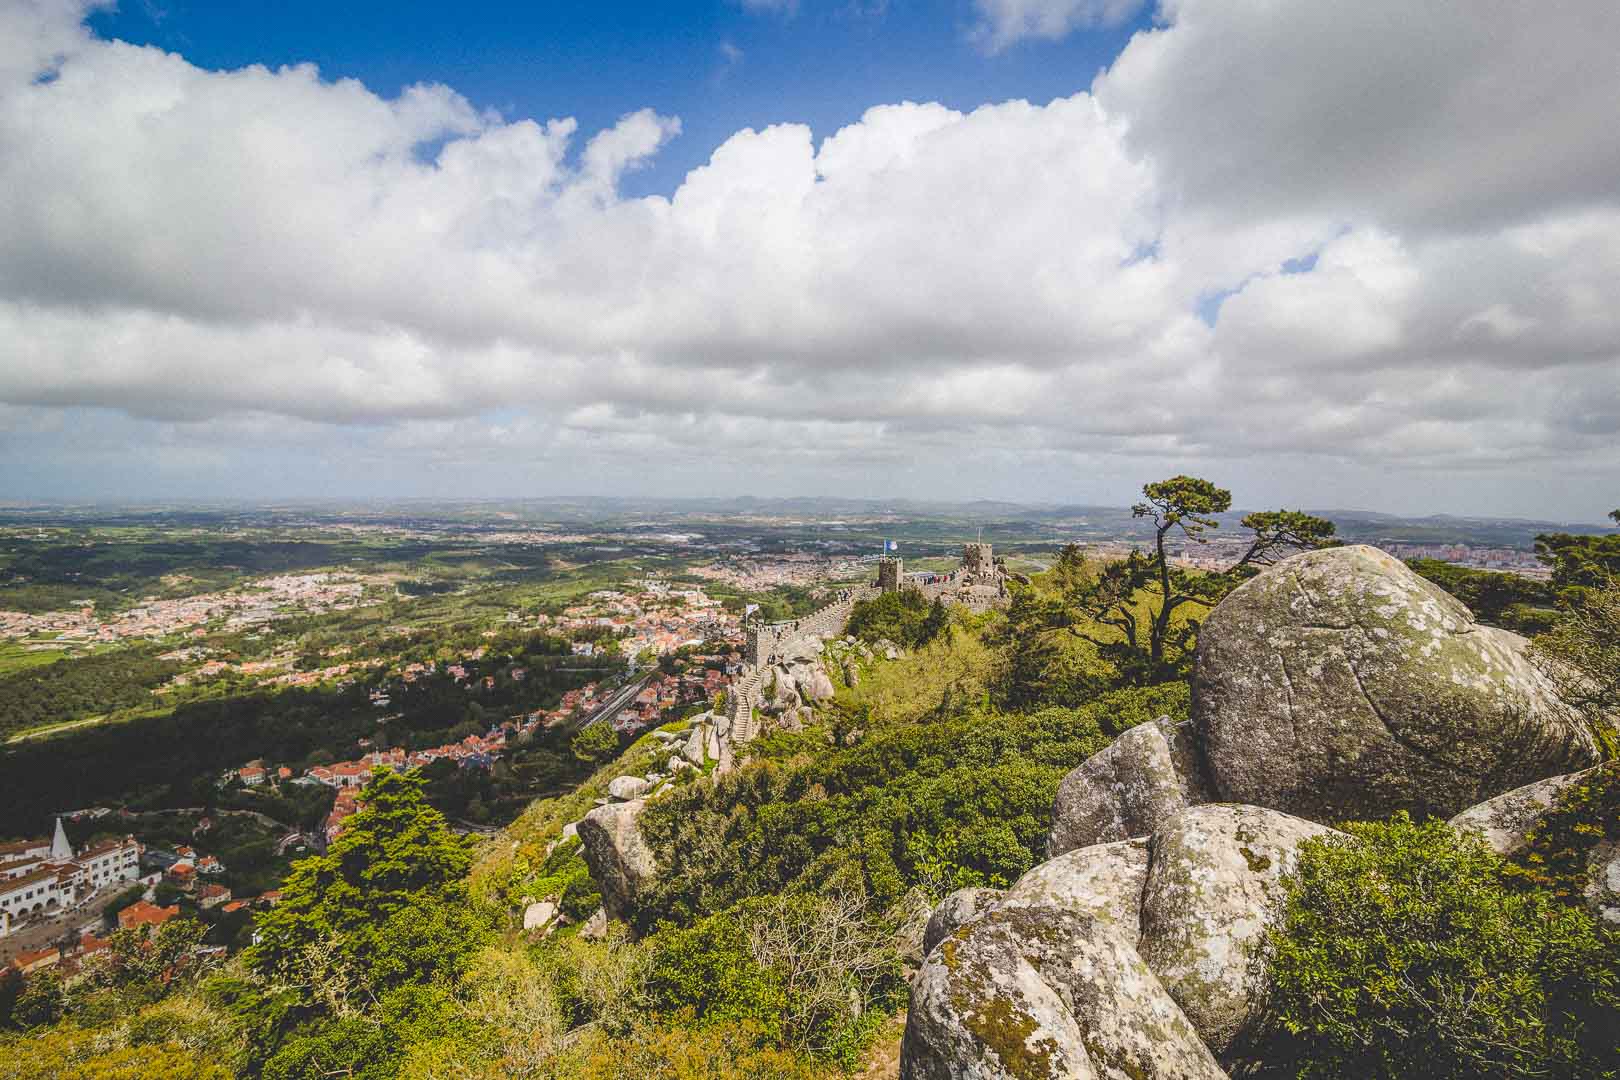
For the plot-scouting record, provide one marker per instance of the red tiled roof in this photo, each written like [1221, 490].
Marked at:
[143, 913]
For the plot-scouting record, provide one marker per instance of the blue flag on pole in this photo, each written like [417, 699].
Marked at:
[890, 546]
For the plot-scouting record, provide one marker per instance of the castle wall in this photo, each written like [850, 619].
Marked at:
[979, 586]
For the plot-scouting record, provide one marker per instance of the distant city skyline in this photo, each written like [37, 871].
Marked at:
[1041, 250]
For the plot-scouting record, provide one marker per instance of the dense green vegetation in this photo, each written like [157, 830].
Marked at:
[173, 758]
[1580, 561]
[904, 618]
[69, 689]
[1410, 951]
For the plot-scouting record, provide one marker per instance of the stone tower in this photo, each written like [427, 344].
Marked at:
[978, 561]
[890, 574]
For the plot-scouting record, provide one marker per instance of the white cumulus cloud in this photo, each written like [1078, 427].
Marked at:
[1408, 223]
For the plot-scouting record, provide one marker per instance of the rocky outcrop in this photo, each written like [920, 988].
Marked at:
[961, 906]
[1174, 927]
[617, 855]
[1212, 893]
[1504, 822]
[538, 916]
[1128, 789]
[1507, 821]
[1030, 991]
[1105, 882]
[1338, 684]
[627, 788]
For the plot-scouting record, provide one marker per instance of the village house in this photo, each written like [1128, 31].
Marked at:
[145, 915]
[38, 960]
[212, 896]
[39, 876]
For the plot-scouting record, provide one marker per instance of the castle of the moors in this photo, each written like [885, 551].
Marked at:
[979, 583]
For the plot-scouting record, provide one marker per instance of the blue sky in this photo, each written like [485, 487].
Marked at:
[1326, 254]
[719, 66]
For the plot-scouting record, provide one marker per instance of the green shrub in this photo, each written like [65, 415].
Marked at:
[596, 743]
[906, 618]
[815, 973]
[977, 789]
[1406, 952]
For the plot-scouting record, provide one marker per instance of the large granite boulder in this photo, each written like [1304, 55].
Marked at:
[1138, 781]
[957, 909]
[1213, 889]
[1504, 822]
[1338, 684]
[1104, 881]
[617, 855]
[1032, 991]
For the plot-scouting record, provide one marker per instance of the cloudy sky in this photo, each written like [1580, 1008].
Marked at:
[1327, 254]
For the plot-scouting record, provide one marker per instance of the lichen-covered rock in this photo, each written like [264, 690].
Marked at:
[1213, 884]
[1138, 781]
[1034, 992]
[818, 687]
[1338, 684]
[1602, 892]
[626, 788]
[617, 855]
[1104, 881]
[1507, 822]
[1504, 822]
[696, 744]
[961, 906]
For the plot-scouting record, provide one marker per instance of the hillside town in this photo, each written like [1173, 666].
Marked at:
[648, 616]
[256, 602]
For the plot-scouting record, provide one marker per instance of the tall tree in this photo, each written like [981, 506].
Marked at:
[385, 905]
[1153, 638]
[1279, 533]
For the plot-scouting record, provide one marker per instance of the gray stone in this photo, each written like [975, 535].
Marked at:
[1504, 822]
[1338, 684]
[595, 927]
[539, 915]
[819, 687]
[1104, 881]
[625, 788]
[695, 744]
[617, 855]
[1213, 886]
[1602, 890]
[961, 906]
[1137, 782]
[785, 694]
[1029, 991]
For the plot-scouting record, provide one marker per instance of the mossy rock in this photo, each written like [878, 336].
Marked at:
[1340, 685]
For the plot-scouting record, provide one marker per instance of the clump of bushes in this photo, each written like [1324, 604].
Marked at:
[1412, 950]
[906, 617]
[965, 800]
